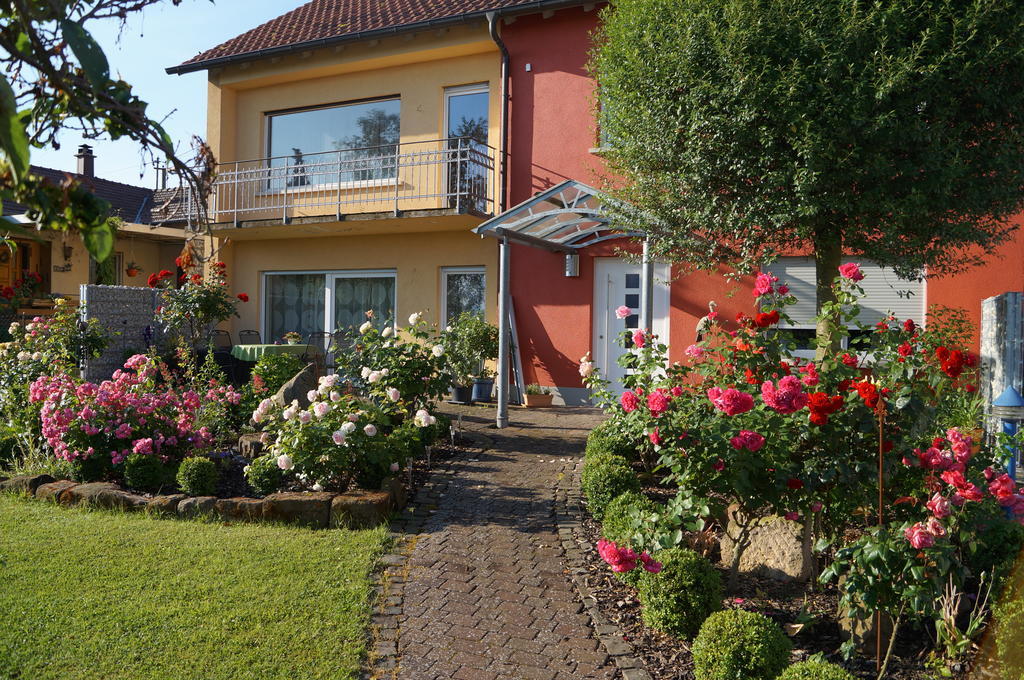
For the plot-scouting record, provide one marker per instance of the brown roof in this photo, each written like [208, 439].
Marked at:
[130, 203]
[171, 206]
[328, 21]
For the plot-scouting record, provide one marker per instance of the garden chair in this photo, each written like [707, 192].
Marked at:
[249, 338]
[319, 345]
[221, 340]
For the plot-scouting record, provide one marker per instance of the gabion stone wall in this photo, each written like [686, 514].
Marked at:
[128, 315]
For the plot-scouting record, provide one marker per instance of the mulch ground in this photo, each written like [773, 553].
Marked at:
[669, 658]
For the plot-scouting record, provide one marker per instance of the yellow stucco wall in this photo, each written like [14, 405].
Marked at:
[416, 258]
[417, 71]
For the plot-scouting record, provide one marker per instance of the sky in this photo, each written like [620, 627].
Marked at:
[162, 35]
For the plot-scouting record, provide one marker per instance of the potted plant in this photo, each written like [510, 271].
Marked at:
[292, 337]
[470, 343]
[132, 269]
[537, 396]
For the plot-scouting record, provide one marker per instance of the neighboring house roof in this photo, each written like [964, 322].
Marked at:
[324, 22]
[130, 203]
[170, 206]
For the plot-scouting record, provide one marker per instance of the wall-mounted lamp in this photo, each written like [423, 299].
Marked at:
[68, 252]
[572, 264]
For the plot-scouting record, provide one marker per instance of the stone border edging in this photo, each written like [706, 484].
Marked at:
[356, 509]
[392, 568]
[569, 514]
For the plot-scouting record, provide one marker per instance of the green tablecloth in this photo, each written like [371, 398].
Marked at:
[254, 352]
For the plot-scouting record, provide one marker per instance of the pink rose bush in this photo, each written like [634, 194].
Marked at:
[133, 412]
[623, 559]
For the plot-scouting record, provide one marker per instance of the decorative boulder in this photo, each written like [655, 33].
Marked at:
[309, 509]
[360, 509]
[296, 388]
[772, 546]
[239, 509]
[86, 494]
[165, 505]
[196, 506]
[399, 496]
[119, 499]
[52, 491]
[25, 483]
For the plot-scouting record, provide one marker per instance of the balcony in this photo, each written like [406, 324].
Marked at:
[453, 176]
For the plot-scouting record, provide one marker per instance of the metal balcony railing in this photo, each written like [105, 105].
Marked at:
[456, 173]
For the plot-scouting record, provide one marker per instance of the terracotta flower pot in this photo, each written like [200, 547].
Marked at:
[539, 400]
[131, 272]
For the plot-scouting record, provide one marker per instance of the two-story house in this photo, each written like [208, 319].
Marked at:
[365, 147]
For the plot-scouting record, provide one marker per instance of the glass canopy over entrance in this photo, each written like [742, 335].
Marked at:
[564, 218]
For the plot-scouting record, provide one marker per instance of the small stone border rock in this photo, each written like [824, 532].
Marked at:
[392, 568]
[569, 513]
[354, 509]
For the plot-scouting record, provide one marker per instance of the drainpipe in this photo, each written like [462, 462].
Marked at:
[503, 333]
[492, 27]
[647, 289]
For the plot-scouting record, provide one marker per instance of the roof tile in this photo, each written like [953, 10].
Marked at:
[323, 19]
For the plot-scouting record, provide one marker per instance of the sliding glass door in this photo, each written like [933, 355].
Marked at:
[356, 293]
[308, 302]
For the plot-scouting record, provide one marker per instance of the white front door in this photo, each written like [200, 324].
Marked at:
[617, 283]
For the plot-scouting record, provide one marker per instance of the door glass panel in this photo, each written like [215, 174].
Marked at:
[354, 296]
[295, 302]
[464, 292]
[632, 280]
[466, 129]
[633, 300]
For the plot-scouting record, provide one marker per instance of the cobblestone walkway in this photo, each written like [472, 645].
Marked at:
[485, 593]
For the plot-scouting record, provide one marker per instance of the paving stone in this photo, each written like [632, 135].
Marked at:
[485, 584]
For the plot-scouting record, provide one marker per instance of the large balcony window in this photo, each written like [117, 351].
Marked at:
[363, 136]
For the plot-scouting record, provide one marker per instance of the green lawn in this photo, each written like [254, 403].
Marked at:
[92, 594]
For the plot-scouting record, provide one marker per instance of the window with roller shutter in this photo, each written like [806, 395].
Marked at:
[884, 293]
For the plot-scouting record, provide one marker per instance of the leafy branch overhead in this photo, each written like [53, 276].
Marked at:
[747, 128]
[56, 77]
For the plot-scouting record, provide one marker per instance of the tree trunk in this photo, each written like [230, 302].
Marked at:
[828, 255]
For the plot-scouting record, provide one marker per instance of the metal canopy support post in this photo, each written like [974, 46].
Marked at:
[646, 288]
[503, 333]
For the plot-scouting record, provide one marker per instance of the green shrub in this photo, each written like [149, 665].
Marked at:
[815, 670]
[276, 369]
[439, 431]
[607, 438]
[146, 473]
[95, 468]
[263, 475]
[686, 592]
[605, 480]
[999, 543]
[622, 518]
[736, 644]
[197, 476]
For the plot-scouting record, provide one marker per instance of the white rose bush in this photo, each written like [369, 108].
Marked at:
[363, 423]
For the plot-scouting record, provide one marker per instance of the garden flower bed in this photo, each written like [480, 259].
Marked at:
[752, 508]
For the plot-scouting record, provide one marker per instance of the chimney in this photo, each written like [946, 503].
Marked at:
[86, 161]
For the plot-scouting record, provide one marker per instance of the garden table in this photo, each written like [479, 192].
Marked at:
[252, 353]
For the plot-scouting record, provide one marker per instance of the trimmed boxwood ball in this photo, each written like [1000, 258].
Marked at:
[815, 670]
[264, 476]
[736, 644]
[618, 525]
[607, 439]
[604, 481]
[146, 473]
[680, 598]
[197, 476]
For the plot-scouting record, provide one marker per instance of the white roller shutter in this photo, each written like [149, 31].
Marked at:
[884, 292]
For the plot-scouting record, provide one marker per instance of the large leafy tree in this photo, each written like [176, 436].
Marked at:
[888, 129]
[55, 77]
